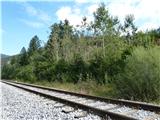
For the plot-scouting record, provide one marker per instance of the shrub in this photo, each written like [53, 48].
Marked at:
[8, 71]
[141, 77]
[60, 70]
[26, 73]
[42, 71]
[104, 66]
[97, 69]
[116, 50]
[78, 70]
[43, 68]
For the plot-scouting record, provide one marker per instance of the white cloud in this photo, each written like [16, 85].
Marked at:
[92, 8]
[38, 0]
[33, 24]
[42, 16]
[148, 25]
[88, 1]
[121, 8]
[81, 1]
[63, 13]
[75, 13]
[30, 10]
[144, 10]
[72, 14]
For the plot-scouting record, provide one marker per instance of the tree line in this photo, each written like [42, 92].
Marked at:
[104, 50]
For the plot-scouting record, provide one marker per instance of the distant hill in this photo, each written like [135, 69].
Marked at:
[4, 56]
[4, 59]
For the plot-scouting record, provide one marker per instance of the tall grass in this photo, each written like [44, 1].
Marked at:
[141, 77]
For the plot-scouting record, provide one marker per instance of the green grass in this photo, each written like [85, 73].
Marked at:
[89, 87]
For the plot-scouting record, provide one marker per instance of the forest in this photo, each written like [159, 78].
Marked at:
[104, 51]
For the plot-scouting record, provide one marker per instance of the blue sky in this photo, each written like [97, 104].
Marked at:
[21, 20]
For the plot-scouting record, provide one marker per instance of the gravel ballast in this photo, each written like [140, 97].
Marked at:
[139, 114]
[132, 112]
[17, 104]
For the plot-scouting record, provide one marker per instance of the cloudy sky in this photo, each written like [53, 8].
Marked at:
[22, 19]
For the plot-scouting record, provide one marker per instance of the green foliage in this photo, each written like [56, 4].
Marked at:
[26, 73]
[13, 60]
[141, 77]
[60, 37]
[42, 68]
[60, 70]
[97, 69]
[103, 22]
[155, 35]
[110, 64]
[78, 69]
[129, 29]
[115, 55]
[34, 45]
[143, 39]
[23, 57]
[8, 71]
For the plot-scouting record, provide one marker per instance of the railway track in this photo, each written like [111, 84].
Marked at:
[106, 108]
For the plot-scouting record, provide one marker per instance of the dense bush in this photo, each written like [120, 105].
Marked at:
[116, 50]
[26, 73]
[60, 70]
[104, 66]
[97, 69]
[78, 70]
[42, 71]
[141, 77]
[8, 71]
[41, 67]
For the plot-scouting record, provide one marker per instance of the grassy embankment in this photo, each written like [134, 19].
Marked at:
[90, 87]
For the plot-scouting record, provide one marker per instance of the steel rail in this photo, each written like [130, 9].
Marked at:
[133, 104]
[103, 113]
